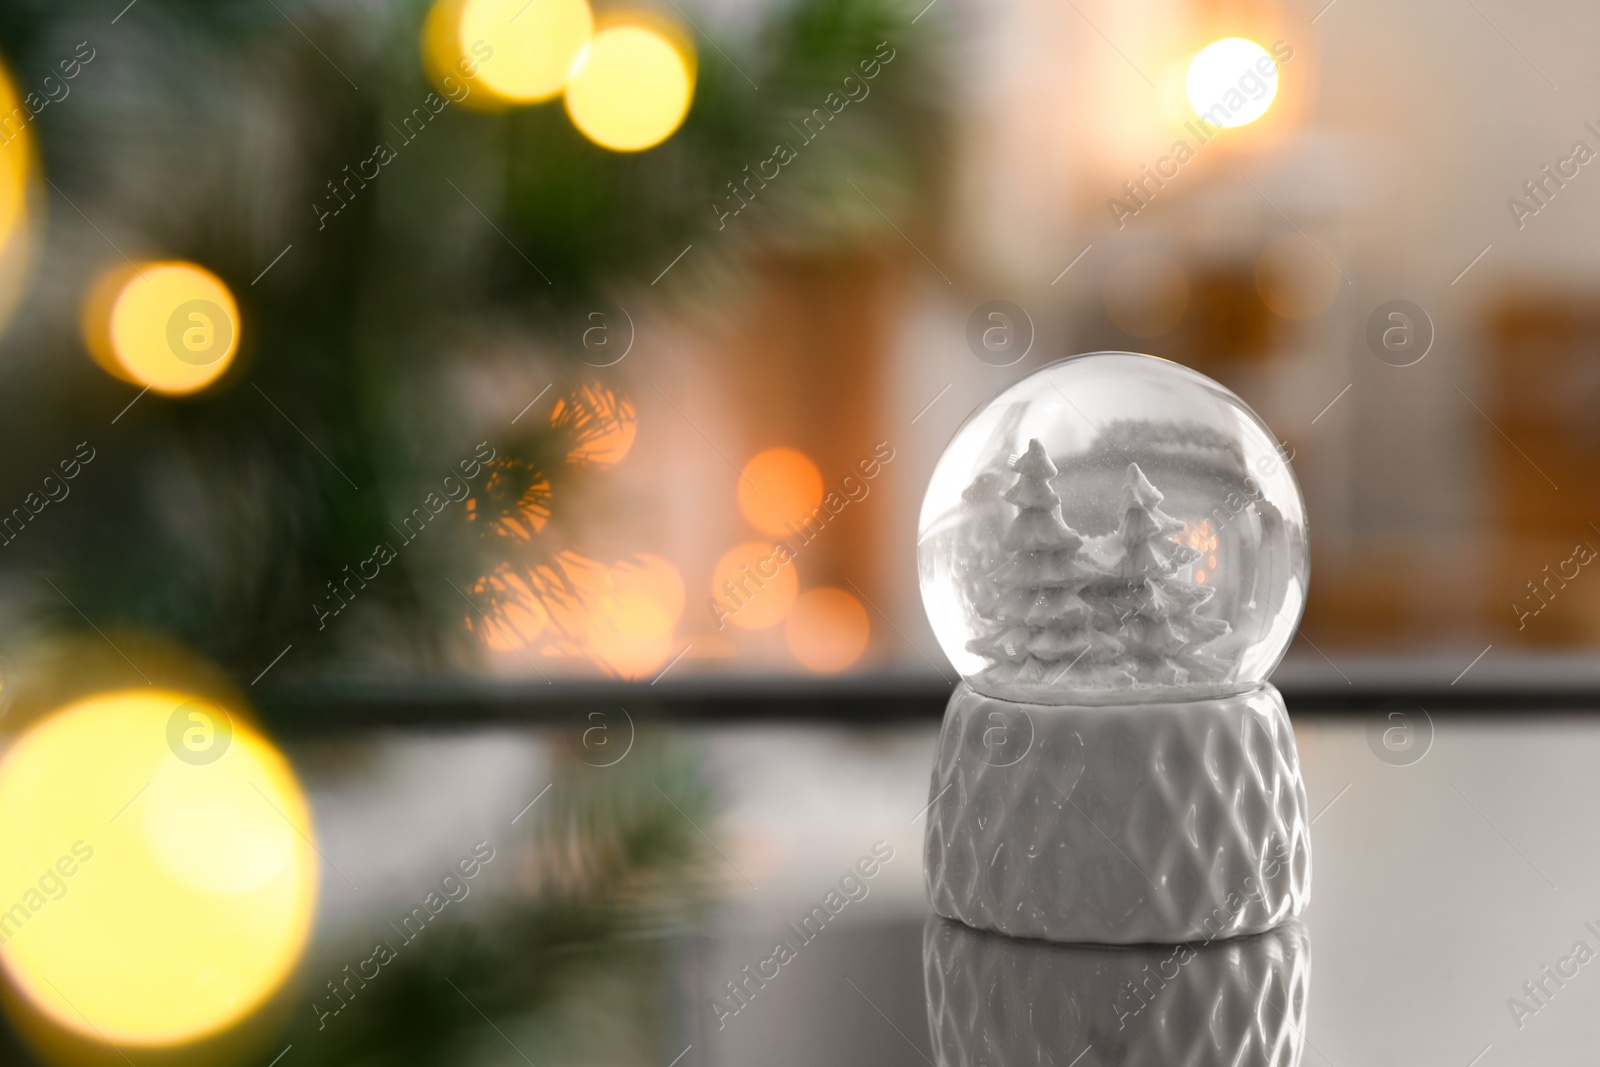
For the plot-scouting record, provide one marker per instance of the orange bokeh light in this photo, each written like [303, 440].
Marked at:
[621, 617]
[754, 586]
[630, 634]
[569, 596]
[603, 424]
[630, 629]
[521, 619]
[777, 487]
[652, 577]
[828, 630]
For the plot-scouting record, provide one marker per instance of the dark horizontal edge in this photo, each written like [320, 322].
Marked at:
[1497, 700]
[472, 703]
[861, 701]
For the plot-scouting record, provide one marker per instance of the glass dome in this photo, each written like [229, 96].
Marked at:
[1113, 528]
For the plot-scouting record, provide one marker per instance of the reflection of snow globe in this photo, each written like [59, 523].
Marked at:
[1001, 1000]
[1113, 553]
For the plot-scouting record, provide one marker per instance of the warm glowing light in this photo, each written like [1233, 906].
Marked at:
[570, 592]
[156, 865]
[171, 326]
[531, 512]
[1146, 294]
[526, 48]
[620, 617]
[753, 586]
[519, 620]
[602, 422]
[778, 487]
[518, 626]
[630, 634]
[452, 67]
[1298, 276]
[652, 577]
[16, 168]
[440, 42]
[1203, 539]
[1232, 82]
[827, 630]
[631, 89]
[16, 156]
[630, 628]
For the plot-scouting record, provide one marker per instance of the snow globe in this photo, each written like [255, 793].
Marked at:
[1112, 551]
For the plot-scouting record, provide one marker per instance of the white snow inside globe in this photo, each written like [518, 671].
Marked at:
[1113, 528]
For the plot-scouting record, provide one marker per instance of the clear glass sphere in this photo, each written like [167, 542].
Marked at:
[1113, 528]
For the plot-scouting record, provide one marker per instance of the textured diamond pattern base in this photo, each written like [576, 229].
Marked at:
[1119, 824]
[1004, 1002]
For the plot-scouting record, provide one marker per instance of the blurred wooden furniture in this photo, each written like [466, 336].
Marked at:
[1543, 480]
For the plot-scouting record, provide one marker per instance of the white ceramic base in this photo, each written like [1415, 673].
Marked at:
[997, 1001]
[1118, 824]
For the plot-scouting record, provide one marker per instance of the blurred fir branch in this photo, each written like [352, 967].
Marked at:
[611, 879]
[208, 130]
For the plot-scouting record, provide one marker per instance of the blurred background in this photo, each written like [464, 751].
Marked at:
[671, 305]
[376, 377]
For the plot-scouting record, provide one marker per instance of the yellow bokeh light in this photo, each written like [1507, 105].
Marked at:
[631, 88]
[779, 488]
[157, 877]
[172, 326]
[17, 158]
[526, 48]
[754, 585]
[1232, 82]
[454, 72]
[827, 630]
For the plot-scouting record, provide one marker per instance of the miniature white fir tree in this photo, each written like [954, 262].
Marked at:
[1148, 605]
[1044, 626]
